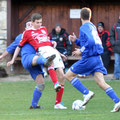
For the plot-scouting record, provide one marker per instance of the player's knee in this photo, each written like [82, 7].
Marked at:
[61, 76]
[67, 77]
[101, 84]
[40, 87]
[61, 79]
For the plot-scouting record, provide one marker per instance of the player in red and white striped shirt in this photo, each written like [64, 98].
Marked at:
[37, 36]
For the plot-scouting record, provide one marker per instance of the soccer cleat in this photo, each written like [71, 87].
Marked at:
[116, 107]
[49, 60]
[57, 87]
[60, 106]
[37, 107]
[87, 98]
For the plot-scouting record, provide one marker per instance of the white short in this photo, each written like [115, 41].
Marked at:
[47, 51]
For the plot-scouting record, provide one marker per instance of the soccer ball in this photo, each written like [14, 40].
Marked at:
[77, 105]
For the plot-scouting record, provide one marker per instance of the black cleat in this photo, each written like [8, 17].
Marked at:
[57, 87]
[49, 60]
[37, 107]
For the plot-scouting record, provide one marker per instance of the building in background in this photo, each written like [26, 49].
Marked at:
[3, 28]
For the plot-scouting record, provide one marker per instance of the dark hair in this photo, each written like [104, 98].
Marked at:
[36, 16]
[85, 13]
[28, 20]
[57, 25]
[100, 24]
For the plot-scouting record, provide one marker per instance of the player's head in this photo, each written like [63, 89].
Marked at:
[28, 24]
[85, 14]
[36, 19]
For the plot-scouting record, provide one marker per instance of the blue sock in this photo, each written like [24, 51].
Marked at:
[110, 92]
[41, 60]
[79, 86]
[36, 96]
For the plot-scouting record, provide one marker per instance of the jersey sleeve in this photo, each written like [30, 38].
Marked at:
[77, 42]
[11, 48]
[24, 39]
[84, 42]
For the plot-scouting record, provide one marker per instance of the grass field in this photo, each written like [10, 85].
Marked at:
[15, 99]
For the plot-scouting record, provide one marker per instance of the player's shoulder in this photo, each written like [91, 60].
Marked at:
[43, 27]
[20, 35]
[88, 25]
[26, 32]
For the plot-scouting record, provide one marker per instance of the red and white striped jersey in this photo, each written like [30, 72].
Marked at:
[37, 38]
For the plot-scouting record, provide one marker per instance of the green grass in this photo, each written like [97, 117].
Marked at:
[15, 99]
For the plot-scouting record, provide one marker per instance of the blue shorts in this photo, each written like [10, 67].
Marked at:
[33, 70]
[89, 66]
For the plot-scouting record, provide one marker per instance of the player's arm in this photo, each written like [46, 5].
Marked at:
[72, 37]
[4, 55]
[68, 44]
[63, 56]
[77, 52]
[14, 56]
[54, 43]
[17, 50]
[11, 48]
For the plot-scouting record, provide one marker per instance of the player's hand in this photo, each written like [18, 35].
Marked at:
[54, 44]
[64, 58]
[10, 63]
[72, 37]
[76, 52]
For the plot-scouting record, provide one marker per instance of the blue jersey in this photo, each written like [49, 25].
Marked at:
[89, 41]
[11, 48]
[91, 49]
[27, 52]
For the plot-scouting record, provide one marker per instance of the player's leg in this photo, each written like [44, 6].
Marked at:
[36, 73]
[53, 76]
[41, 60]
[33, 60]
[37, 93]
[48, 51]
[108, 90]
[71, 77]
[60, 76]
[59, 66]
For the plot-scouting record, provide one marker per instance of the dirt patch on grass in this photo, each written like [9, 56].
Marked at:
[27, 77]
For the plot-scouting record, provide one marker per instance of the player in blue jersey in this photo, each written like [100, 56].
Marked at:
[33, 64]
[90, 63]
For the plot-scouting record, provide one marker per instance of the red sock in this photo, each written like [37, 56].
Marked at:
[52, 74]
[59, 95]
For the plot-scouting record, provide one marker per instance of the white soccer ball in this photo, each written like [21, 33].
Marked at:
[77, 105]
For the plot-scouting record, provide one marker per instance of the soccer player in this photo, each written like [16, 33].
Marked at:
[90, 63]
[33, 64]
[38, 38]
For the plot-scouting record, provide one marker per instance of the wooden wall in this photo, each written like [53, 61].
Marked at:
[107, 13]
[54, 12]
